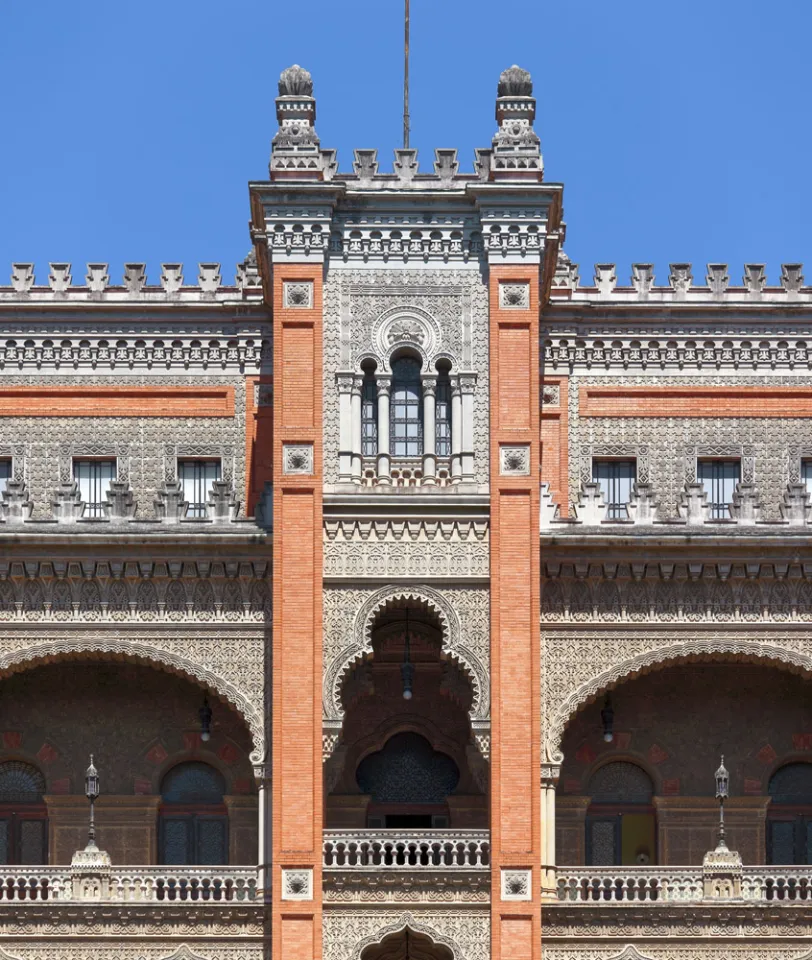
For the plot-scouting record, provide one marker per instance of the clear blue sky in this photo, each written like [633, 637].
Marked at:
[681, 131]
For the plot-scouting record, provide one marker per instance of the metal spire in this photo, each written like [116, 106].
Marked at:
[406, 78]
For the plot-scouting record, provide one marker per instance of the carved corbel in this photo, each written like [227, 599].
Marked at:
[66, 505]
[222, 506]
[795, 508]
[590, 508]
[642, 506]
[169, 504]
[120, 504]
[746, 508]
[694, 507]
[16, 507]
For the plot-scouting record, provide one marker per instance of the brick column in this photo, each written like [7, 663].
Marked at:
[297, 615]
[516, 824]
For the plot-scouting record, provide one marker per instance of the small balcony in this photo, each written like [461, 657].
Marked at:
[398, 850]
[139, 884]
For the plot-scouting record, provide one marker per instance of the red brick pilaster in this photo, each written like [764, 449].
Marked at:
[515, 645]
[297, 615]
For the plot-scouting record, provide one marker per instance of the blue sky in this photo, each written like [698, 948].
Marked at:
[681, 131]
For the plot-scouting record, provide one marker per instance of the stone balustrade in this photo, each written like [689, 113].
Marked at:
[138, 884]
[677, 884]
[395, 850]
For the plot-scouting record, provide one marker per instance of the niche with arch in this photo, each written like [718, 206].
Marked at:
[23, 815]
[789, 815]
[193, 827]
[620, 823]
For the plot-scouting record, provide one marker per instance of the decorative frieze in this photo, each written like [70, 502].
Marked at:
[348, 932]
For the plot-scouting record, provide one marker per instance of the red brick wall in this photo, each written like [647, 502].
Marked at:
[117, 401]
[677, 401]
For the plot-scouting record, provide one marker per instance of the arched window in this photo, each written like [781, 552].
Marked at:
[406, 409]
[193, 820]
[23, 815]
[369, 416]
[442, 416]
[789, 815]
[408, 783]
[620, 825]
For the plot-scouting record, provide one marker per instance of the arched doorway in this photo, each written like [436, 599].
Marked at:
[789, 816]
[193, 817]
[408, 783]
[407, 944]
[620, 822]
[23, 816]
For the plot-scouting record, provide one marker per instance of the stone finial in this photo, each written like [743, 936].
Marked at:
[590, 508]
[135, 276]
[754, 279]
[16, 507]
[566, 272]
[59, 279]
[120, 504]
[681, 278]
[643, 279]
[209, 277]
[548, 509]
[642, 506]
[169, 503]
[792, 277]
[796, 507]
[745, 508]
[222, 506]
[515, 82]
[295, 151]
[717, 278]
[516, 150]
[171, 277]
[248, 272]
[295, 81]
[694, 507]
[22, 277]
[67, 505]
[605, 278]
[264, 508]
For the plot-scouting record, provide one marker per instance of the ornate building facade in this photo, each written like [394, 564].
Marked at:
[407, 590]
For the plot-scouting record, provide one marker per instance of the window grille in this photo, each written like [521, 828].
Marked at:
[406, 409]
[369, 417]
[5, 475]
[442, 417]
[193, 827]
[719, 477]
[616, 479]
[94, 478]
[196, 478]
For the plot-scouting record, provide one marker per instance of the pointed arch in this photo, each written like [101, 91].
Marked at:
[361, 646]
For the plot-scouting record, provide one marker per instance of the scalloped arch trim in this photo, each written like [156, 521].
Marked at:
[361, 646]
[686, 652]
[398, 926]
[56, 651]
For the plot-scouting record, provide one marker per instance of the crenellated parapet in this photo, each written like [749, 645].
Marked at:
[682, 286]
[61, 285]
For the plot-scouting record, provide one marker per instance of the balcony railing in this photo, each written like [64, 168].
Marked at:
[397, 850]
[133, 884]
[676, 884]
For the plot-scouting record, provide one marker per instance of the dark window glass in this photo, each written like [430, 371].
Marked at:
[442, 417]
[23, 816]
[193, 827]
[369, 417]
[94, 477]
[719, 477]
[789, 827]
[806, 474]
[406, 410]
[616, 479]
[5, 474]
[196, 477]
